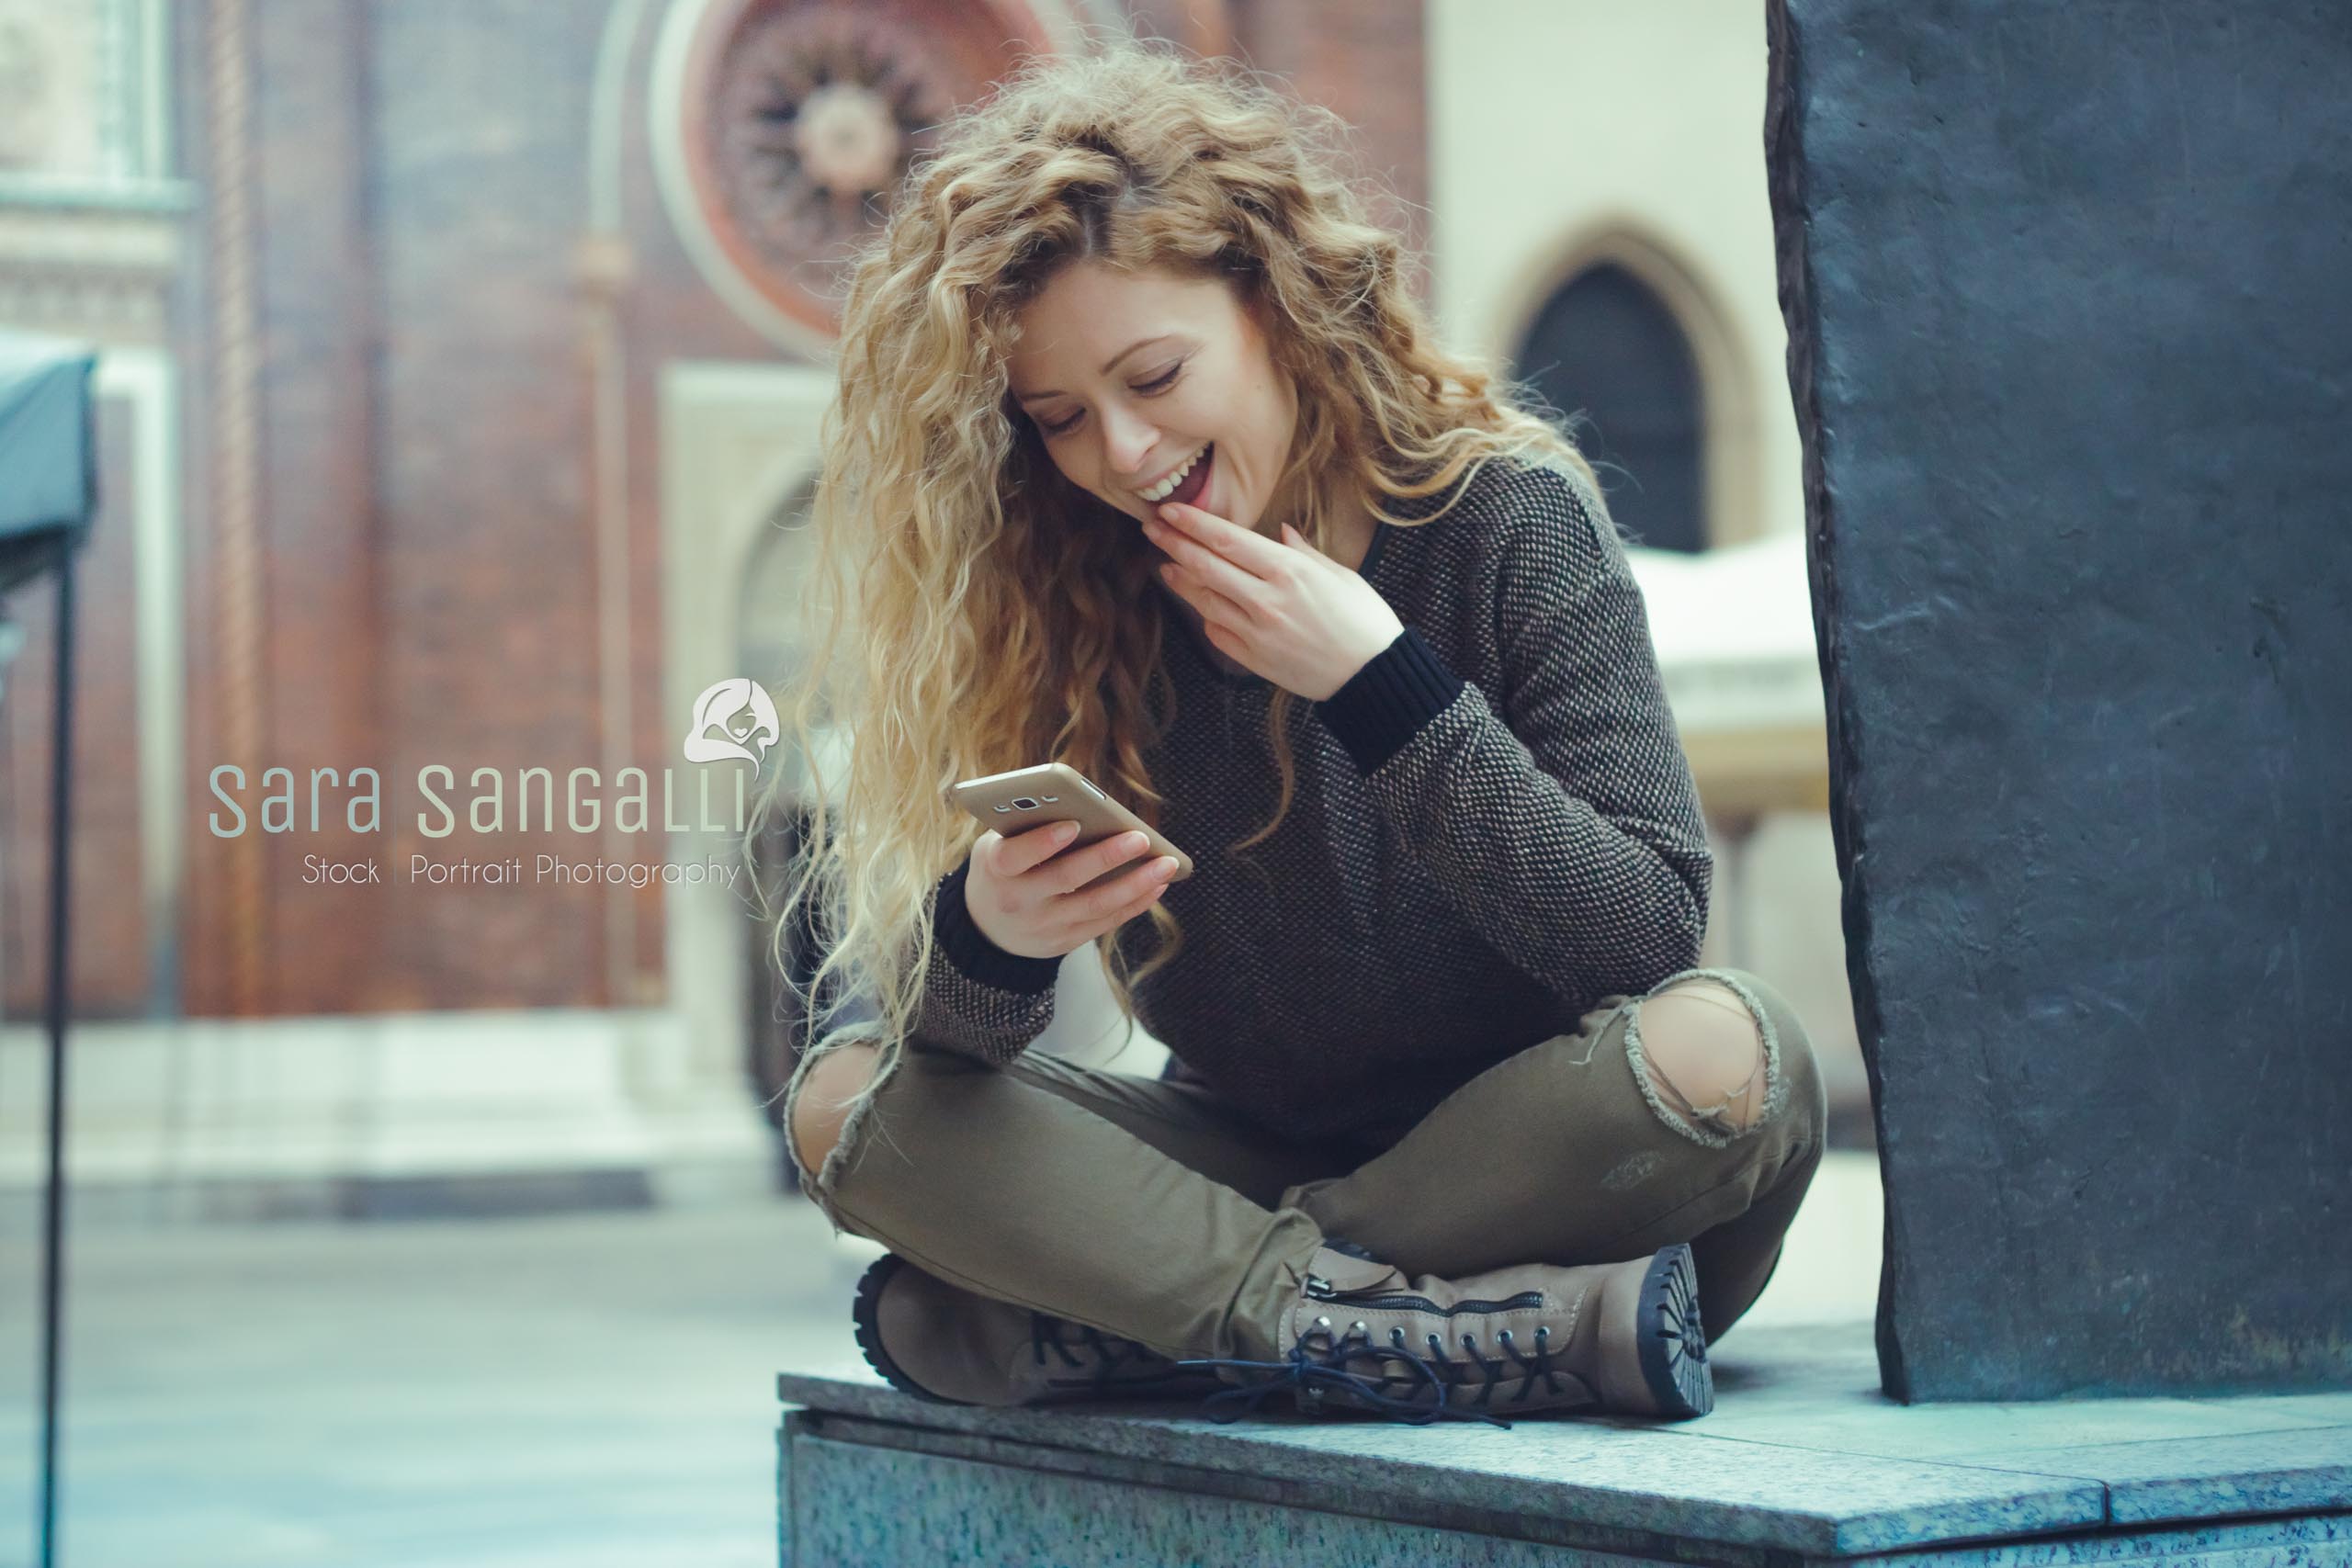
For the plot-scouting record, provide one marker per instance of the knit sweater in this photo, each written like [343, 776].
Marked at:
[1494, 828]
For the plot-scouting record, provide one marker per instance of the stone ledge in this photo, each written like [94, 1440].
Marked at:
[1803, 1458]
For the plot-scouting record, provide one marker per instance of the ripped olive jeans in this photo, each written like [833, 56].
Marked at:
[1153, 1211]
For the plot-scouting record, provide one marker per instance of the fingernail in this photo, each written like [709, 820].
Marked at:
[1167, 515]
[1135, 842]
[1166, 866]
[1065, 831]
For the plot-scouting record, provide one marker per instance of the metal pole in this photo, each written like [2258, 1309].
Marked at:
[60, 842]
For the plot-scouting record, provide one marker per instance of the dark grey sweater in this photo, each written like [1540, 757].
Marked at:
[1495, 827]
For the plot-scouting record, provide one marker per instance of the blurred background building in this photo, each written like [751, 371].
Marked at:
[462, 367]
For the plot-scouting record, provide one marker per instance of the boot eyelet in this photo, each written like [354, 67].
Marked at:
[1322, 1323]
[1358, 1326]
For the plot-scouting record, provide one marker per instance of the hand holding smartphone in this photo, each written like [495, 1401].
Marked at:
[1061, 861]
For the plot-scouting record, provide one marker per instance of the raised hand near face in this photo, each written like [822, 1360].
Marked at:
[1281, 609]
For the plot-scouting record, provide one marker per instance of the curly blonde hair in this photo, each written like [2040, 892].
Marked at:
[971, 611]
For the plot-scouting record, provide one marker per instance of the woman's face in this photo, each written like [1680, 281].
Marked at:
[1128, 376]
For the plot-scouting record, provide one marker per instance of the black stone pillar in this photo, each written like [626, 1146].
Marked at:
[2069, 295]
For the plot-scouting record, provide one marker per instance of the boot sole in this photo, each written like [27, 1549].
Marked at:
[864, 1314]
[1673, 1341]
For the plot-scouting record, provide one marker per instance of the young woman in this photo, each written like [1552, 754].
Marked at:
[1144, 461]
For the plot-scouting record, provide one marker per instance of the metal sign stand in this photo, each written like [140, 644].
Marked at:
[52, 1259]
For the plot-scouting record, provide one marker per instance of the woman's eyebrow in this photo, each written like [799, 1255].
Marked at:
[1116, 360]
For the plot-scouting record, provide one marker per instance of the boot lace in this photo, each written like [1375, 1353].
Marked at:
[1494, 1371]
[1318, 1364]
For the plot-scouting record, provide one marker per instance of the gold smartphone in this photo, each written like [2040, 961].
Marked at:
[1054, 792]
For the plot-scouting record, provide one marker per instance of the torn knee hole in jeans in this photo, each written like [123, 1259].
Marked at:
[1734, 1068]
[853, 1133]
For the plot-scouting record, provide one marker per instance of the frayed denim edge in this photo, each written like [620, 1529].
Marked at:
[1776, 1088]
[820, 1188]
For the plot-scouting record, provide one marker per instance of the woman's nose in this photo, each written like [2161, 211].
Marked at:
[1127, 443]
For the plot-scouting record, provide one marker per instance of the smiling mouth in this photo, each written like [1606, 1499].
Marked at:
[1174, 482]
[1188, 489]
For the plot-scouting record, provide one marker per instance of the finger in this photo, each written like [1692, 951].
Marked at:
[1244, 547]
[1032, 847]
[1227, 641]
[1206, 567]
[1098, 905]
[1126, 913]
[1079, 867]
[1304, 546]
[1211, 604]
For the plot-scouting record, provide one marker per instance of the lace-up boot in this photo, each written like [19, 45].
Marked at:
[951, 1346]
[1360, 1335]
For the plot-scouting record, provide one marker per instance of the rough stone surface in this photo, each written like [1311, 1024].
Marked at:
[2070, 343]
[1804, 1459]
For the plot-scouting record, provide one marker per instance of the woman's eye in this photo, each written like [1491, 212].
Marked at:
[1150, 388]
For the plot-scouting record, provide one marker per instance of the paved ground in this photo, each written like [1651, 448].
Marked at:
[584, 1391]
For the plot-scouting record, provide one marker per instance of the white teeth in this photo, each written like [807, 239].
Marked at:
[1167, 487]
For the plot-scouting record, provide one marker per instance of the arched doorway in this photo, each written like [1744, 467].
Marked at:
[1604, 347]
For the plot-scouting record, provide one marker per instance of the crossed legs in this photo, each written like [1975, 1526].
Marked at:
[1692, 1114]
[1151, 1211]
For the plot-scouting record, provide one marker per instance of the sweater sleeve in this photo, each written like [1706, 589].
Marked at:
[978, 998]
[1567, 829]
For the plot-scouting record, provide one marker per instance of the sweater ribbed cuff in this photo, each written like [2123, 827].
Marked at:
[968, 948]
[1385, 703]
